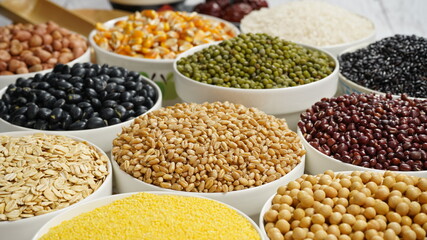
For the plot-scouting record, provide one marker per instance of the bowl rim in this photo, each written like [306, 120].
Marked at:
[115, 165]
[30, 74]
[158, 103]
[116, 197]
[58, 211]
[340, 45]
[148, 60]
[349, 165]
[357, 86]
[251, 90]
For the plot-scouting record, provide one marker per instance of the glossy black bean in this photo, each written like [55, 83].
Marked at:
[120, 111]
[78, 125]
[96, 103]
[87, 112]
[98, 84]
[138, 100]
[44, 113]
[40, 124]
[95, 122]
[107, 113]
[32, 111]
[18, 120]
[114, 121]
[78, 72]
[139, 110]
[148, 103]
[109, 103]
[117, 80]
[84, 104]
[56, 115]
[74, 98]
[59, 103]
[75, 112]
[111, 87]
[64, 85]
[90, 93]
[151, 93]
[125, 97]
[67, 120]
[128, 105]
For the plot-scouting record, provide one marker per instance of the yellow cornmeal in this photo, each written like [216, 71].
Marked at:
[150, 216]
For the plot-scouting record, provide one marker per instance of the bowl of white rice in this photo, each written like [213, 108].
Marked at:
[315, 23]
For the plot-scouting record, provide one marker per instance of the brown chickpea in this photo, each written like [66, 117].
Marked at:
[342, 201]
[412, 193]
[285, 206]
[319, 195]
[365, 176]
[274, 233]
[393, 201]
[305, 199]
[285, 215]
[310, 235]
[325, 180]
[360, 217]
[343, 193]
[298, 214]
[286, 199]
[382, 193]
[331, 237]
[276, 199]
[268, 226]
[370, 202]
[377, 237]
[425, 226]
[377, 178]
[345, 182]
[373, 224]
[344, 237]
[275, 206]
[354, 209]
[393, 217]
[424, 208]
[293, 185]
[325, 210]
[383, 224]
[336, 185]
[419, 232]
[358, 198]
[318, 218]
[306, 184]
[288, 235]
[339, 208]
[420, 218]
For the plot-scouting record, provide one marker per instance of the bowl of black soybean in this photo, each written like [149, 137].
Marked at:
[396, 65]
[276, 76]
[86, 100]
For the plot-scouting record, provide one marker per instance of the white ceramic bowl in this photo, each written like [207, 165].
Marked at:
[346, 86]
[248, 201]
[5, 80]
[107, 200]
[101, 137]
[317, 162]
[159, 70]
[286, 103]
[26, 228]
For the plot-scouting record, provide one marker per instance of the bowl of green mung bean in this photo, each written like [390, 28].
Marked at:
[278, 77]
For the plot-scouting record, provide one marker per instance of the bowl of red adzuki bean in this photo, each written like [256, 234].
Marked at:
[361, 132]
[28, 49]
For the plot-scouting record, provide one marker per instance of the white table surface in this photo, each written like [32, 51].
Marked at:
[390, 16]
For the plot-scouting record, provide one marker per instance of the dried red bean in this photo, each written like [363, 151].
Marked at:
[370, 130]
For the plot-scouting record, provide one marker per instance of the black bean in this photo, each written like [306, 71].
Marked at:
[90, 93]
[78, 125]
[74, 98]
[56, 115]
[64, 85]
[110, 87]
[138, 100]
[107, 113]
[44, 113]
[40, 124]
[96, 103]
[128, 105]
[84, 104]
[114, 121]
[32, 111]
[109, 103]
[117, 80]
[59, 103]
[120, 111]
[76, 112]
[95, 122]
[19, 120]
[67, 120]
[148, 103]
[87, 112]
[125, 97]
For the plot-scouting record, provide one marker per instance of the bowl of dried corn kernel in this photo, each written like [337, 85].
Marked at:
[151, 215]
[149, 41]
[43, 175]
[348, 205]
[222, 151]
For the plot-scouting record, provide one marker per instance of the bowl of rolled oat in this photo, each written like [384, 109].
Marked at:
[42, 175]
[149, 41]
[223, 151]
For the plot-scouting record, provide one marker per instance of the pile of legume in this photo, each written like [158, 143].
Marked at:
[160, 35]
[363, 205]
[42, 173]
[396, 65]
[311, 22]
[210, 147]
[150, 216]
[256, 61]
[369, 130]
[31, 48]
[83, 96]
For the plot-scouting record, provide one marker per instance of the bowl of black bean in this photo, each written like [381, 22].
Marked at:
[396, 65]
[366, 132]
[278, 77]
[86, 100]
